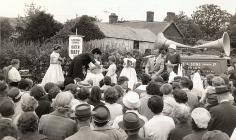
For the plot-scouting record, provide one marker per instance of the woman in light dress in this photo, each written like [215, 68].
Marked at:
[94, 73]
[129, 71]
[54, 73]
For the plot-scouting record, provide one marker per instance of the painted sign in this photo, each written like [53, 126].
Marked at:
[75, 45]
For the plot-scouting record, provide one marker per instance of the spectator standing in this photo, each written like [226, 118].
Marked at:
[13, 74]
[224, 114]
[159, 126]
[57, 125]
[200, 119]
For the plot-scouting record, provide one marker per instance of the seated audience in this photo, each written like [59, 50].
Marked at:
[107, 83]
[123, 82]
[95, 96]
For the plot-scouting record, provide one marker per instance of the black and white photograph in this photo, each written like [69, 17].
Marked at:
[117, 70]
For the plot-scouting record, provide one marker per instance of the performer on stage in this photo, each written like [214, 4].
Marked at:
[129, 71]
[173, 58]
[54, 73]
[80, 64]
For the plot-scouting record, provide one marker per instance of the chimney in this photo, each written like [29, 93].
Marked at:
[150, 16]
[170, 16]
[113, 18]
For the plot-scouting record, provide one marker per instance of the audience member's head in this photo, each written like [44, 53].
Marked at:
[200, 119]
[112, 59]
[83, 113]
[52, 93]
[107, 80]
[153, 88]
[28, 103]
[68, 80]
[28, 123]
[131, 100]
[30, 82]
[62, 102]
[175, 85]
[209, 78]
[14, 94]
[123, 82]
[166, 89]
[15, 63]
[215, 135]
[185, 82]
[145, 78]
[7, 108]
[95, 95]
[48, 86]
[24, 85]
[181, 114]
[37, 92]
[101, 115]
[225, 78]
[72, 88]
[155, 104]
[3, 88]
[158, 79]
[119, 90]
[177, 78]
[222, 93]
[82, 94]
[131, 123]
[110, 95]
[218, 81]
[180, 96]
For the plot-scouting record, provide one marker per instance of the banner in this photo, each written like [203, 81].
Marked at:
[75, 45]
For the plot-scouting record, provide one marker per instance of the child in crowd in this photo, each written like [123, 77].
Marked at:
[111, 71]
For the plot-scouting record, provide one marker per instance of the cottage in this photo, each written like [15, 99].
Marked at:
[124, 38]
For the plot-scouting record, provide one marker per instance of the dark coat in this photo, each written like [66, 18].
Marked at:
[195, 135]
[223, 117]
[79, 65]
[33, 136]
[180, 131]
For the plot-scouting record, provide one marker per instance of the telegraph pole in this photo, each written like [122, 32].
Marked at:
[0, 37]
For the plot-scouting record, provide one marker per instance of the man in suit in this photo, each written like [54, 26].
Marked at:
[83, 117]
[223, 116]
[80, 64]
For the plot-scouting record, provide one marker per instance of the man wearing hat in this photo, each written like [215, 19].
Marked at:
[101, 118]
[83, 116]
[223, 115]
[131, 103]
[173, 58]
[131, 124]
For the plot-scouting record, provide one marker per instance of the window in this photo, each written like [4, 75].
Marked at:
[136, 45]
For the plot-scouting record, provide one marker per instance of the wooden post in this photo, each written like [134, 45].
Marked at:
[0, 37]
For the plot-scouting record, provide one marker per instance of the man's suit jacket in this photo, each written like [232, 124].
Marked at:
[223, 117]
[85, 133]
[150, 65]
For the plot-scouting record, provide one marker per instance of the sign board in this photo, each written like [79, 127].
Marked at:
[207, 63]
[75, 45]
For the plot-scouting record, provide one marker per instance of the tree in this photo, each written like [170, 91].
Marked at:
[212, 20]
[40, 27]
[6, 29]
[232, 28]
[190, 30]
[87, 28]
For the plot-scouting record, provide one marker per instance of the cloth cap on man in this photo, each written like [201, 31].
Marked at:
[101, 114]
[131, 121]
[131, 100]
[83, 111]
[14, 93]
[201, 117]
[172, 46]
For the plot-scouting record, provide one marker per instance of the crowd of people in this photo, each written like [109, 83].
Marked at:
[93, 103]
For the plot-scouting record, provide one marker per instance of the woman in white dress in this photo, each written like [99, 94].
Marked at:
[94, 73]
[54, 73]
[129, 71]
[111, 71]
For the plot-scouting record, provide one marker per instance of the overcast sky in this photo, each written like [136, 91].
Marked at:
[126, 9]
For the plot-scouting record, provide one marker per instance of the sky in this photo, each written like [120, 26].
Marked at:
[64, 10]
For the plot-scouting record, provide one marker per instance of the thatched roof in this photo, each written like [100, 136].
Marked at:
[156, 26]
[116, 31]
